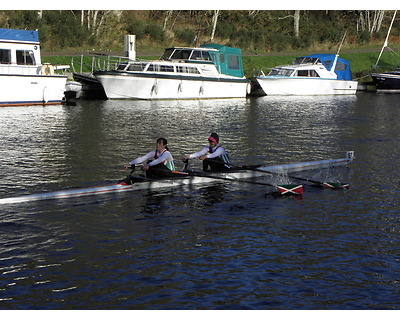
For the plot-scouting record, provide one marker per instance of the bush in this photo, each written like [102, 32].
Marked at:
[185, 35]
[154, 31]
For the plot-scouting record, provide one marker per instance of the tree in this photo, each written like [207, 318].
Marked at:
[370, 20]
[214, 24]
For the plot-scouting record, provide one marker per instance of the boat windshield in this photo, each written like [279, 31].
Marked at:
[176, 54]
[306, 60]
[281, 72]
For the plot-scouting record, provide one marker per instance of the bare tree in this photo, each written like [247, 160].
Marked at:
[296, 18]
[296, 22]
[214, 24]
[370, 20]
[168, 15]
[95, 19]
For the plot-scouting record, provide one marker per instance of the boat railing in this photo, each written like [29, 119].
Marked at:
[382, 69]
[97, 62]
[263, 72]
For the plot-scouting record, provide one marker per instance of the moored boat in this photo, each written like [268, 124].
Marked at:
[316, 74]
[24, 80]
[187, 179]
[388, 80]
[205, 72]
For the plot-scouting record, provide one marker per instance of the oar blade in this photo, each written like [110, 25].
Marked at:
[336, 185]
[290, 189]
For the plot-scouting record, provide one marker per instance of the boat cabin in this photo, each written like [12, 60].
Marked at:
[19, 51]
[342, 67]
[227, 60]
[315, 66]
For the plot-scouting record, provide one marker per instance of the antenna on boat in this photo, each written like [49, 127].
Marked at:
[386, 40]
[341, 43]
[332, 71]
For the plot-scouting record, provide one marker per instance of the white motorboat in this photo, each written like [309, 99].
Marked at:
[24, 80]
[205, 72]
[316, 74]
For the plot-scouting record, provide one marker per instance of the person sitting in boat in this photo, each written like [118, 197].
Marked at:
[162, 164]
[216, 160]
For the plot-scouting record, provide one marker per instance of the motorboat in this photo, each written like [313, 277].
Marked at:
[316, 74]
[204, 72]
[24, 80]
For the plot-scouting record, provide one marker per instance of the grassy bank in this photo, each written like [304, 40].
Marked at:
[361, 62]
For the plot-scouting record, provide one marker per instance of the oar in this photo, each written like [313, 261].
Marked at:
[331, 185]
[283, 188]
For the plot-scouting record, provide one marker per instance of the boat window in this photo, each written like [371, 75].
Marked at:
[136, 67]
[165, 68]
[25, 57]
[167, 54]
[185, 69]
[233, 62]
[328, 64]
[307, 73]
[200, 55]
[281, 72]
[340, 66]
[122, 66]
[196, 55]
[206, 56]
[160, 68]
[181, 54]
[222, 58]
[5, 56]
[306, 60]
[214, 57]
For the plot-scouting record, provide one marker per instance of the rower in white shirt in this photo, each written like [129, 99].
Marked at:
[214, 156]
[159, 162]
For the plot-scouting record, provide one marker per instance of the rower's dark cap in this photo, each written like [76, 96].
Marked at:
[214, 137]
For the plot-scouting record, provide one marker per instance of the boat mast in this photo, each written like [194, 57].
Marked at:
[386, 40]
[332, 71]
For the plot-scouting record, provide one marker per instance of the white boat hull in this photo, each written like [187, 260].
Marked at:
[31, 89]
[184, 181]
[126, 86]
[306, 86]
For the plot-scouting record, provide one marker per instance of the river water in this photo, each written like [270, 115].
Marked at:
[221, 246]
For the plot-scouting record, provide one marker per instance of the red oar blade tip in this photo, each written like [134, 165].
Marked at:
[336, 185]
[290, 189]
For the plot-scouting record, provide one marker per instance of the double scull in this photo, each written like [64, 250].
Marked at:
[185, 180]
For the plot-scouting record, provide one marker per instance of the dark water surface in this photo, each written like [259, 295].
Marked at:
[222, 246]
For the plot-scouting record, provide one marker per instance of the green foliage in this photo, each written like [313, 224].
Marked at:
[155, 31]
[185, 35]
[254, 31]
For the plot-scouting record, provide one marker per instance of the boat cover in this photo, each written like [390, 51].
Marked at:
[19, 35]
[342, 66]
[228, 60]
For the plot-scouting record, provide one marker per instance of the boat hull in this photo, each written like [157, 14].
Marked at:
[20, 90]
[154, 87]
[386, 81]
[306, 86]
[184, 180]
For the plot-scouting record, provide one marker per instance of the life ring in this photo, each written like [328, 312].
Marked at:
[48, 69]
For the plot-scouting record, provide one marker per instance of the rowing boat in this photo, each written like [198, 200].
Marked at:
[185, 180]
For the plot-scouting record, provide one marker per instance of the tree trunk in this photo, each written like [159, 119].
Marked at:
[297, 23]
[214, 24]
